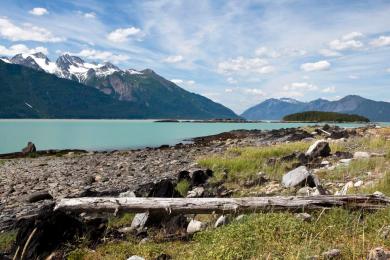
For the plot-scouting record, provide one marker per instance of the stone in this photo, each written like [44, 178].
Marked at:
[343, 155]
[195, 226]
[332, 254]
[298, 177]
[195, 192]
[221, 221]
[378, 194]
[325, 163]
[304, 217]
[127, 194]
[30, 148]
[135, 257]
[144, 240]
[345, 189]
[319, 148]
[379, 253]
[240, 217]
[385, 232]
[361, 155]
[139, 221]
[358, 184]
[307, 191]
[163, 257]
[345, 161]
[125, 230]
[38, 196]
[199, 176]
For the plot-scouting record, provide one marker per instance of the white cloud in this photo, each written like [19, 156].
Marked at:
[189, 84]
[353, 77]
[27, 32]
[254, 91]
[265, 52]
[122, 34]
[228, 90]
[101, 55]
[331, 89]
[38, 11]
[231, 80]
[329, 53]
[243, 65]
[381, 41]
[347, 42]
[173, 59]
[21, 48]
[388, 70]
[316, 66]
[90, 15]
[302, 86]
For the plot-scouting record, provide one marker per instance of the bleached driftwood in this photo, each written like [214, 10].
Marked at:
[219, 205]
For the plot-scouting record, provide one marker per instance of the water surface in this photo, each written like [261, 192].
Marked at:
[111, 134]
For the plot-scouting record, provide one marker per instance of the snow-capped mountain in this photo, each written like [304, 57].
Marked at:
[67, 66]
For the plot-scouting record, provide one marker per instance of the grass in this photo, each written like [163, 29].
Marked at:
[182, 187]
[245, 163]
[268, 235]
[120, 221]
[7, 239]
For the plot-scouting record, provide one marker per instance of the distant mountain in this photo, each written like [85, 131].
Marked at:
[144, 93]
[276, 109]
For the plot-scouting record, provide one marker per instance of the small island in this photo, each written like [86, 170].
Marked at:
[319, 116]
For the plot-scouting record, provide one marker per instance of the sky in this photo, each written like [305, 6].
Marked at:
[237, 52]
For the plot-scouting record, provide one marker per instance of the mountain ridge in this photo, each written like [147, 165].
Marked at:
[276, 109]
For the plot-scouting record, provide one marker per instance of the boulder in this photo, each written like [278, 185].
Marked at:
[299, 177]
[200, 176]
[221, 221]
[332, 254]
[379, 254]
[339, 134]
[38, 196]
[345, 189]
[195, 226]
[139, 221]
[195, 192]
[343, 155]
[319, 148]
[30, 148]
[361, 155]
[304, 217]
[135, 257]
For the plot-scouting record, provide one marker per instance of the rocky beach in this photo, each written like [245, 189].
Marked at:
[32, 184]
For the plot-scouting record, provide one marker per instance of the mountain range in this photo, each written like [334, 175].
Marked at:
[276, 109]
[38, 88]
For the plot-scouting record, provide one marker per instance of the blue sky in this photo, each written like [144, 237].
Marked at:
[237, 53]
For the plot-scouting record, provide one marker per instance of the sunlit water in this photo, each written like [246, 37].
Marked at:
[112, 134]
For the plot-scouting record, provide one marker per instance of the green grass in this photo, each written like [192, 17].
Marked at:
[245, 163]
[120, 221]
[7, 239]
[182, 187]
[268, 235]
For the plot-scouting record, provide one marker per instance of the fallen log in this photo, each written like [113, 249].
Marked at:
[220, 205]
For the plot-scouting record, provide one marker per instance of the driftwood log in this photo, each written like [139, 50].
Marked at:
[219, 205]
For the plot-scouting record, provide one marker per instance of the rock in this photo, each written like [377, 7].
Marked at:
[379, 254]
[195, 192]
[304, 217]
[385, 232]
[339, 134]
[135, 257]
[139, 221]
[127, 194]
[345, 189]
[221, 221]
[298, 177]
[144, 240]
[38, 196]
[307, 191]
[343, 155]
[199, 176]
[195, 226]
[125, 230]
[319, 148]
[30, 148]
[378, 194]
[259, 179]
[361, 155]
[345, 161]
[163, 257]
[332, 254]
[358, 184]
[240, 217]
[325, 163]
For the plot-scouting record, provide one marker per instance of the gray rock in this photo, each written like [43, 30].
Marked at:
[127, 194]
[304, 217]
[332, 254]
[135, 257]
[378, 194]
[38, 196]
[319, 148]
[195, 192]
[296, 177]
[379, 254]
[240, 217]
[361, 155]
[221, 221]
[195, 226]
[139, 221]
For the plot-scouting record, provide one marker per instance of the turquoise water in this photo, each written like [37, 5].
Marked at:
[111, 134]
